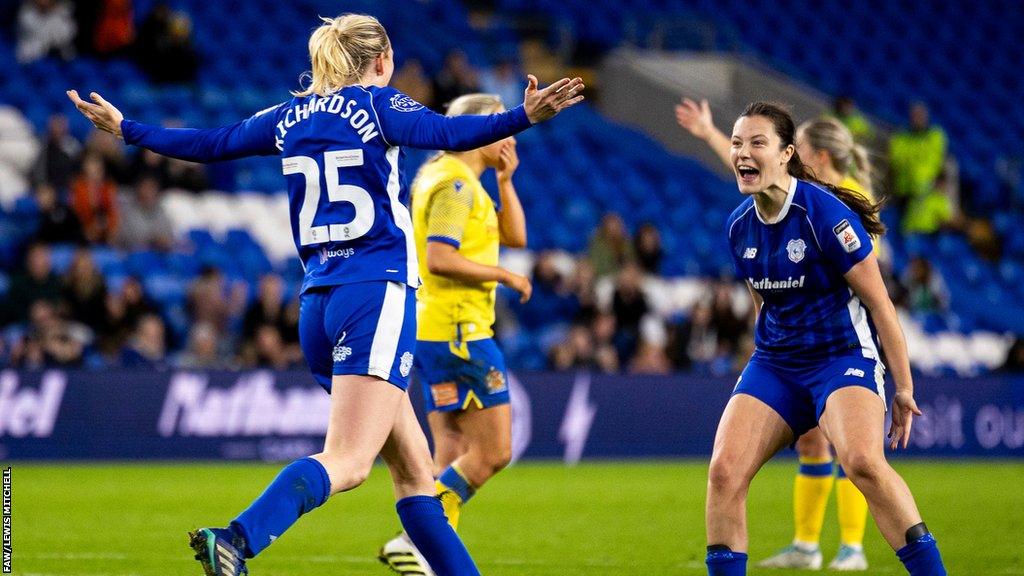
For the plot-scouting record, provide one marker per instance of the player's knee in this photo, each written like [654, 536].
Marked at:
[813, 446]
[498, 458]
[863, 466]
[724, 475]
[346, 473]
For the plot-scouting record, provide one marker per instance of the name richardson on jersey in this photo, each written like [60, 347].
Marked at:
[769, 284]
[358, 118]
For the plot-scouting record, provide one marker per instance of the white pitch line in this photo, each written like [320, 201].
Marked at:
[81, 574]
[75, 556]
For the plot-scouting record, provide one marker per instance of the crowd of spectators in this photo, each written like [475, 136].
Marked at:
[77, 320]
[162, 45]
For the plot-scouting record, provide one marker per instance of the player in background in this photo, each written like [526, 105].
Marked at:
[828, 149]
[805, 249]
[343, 135]
[458, 229]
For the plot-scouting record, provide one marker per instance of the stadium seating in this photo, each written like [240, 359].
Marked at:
[572, 171]
[864, 49]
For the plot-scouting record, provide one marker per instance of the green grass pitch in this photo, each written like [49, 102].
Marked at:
[533, 519]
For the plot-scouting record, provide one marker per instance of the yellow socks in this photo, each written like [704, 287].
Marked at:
[853, 511]
[453, 490]
[810, 498]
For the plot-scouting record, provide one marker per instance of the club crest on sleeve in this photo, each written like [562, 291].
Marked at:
[404, 103]
[796, 249]
[847, 236]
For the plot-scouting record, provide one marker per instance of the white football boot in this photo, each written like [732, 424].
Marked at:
[401, 555]
[794, 556]
[849, 559]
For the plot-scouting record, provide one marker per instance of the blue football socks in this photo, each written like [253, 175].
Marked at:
[300, 487]
[921, 557]
[722, 561]
[425, 523]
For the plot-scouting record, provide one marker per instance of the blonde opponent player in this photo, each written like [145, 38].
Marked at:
[458, 230]
[828, 149]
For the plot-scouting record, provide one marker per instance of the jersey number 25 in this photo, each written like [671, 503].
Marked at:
[336, 192]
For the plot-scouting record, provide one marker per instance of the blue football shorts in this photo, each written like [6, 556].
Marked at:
[799, 393]
[457, 375]
[366, 328]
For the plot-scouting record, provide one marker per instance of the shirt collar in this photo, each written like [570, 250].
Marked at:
[785, 205]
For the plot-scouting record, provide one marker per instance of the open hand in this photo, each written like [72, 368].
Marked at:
[903, 411]
[695, 118]
[102, 114]
[543, 104]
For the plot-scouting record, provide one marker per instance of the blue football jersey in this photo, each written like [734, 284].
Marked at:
[342, 160]
[796, 264]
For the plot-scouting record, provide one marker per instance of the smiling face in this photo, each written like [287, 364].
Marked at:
[758, 157]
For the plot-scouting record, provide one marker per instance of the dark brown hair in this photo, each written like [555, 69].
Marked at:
[785, 128]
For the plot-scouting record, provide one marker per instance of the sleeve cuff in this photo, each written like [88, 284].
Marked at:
[519, 118]
[444, 240]
[128, 131]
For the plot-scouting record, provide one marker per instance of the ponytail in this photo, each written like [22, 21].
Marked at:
[861, 170]
[340, 50]
[864, 208]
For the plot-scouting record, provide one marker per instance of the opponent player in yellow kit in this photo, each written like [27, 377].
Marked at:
[458, 230]
[828, 149]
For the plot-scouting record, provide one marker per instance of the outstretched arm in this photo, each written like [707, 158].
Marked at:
[696, 119]
[407, 123]
[251, 137]
[866, 281]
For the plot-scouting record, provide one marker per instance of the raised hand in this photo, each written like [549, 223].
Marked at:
[102, 114]
[543, 104]
[695, 118]
[509, 161]
[903, 411]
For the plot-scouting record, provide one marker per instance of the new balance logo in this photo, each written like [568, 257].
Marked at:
[750, 253]
[854, 372]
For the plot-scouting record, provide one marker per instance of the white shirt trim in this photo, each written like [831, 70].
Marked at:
[740, 217]
[402, 218]
[785, 205]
